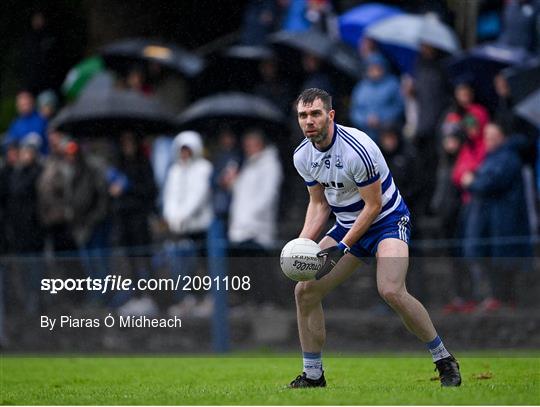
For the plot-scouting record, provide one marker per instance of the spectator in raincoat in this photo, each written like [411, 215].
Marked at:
[187, 204]
[498, 225]
[187, 210]
[376, 100]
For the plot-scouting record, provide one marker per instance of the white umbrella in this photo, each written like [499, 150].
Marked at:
[529, 108]
[410, 30]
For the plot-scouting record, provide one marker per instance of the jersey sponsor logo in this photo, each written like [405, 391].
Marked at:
[333, 184]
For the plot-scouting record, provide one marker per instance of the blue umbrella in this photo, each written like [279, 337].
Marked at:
[353, 23]
[480, 65]
[399, 37]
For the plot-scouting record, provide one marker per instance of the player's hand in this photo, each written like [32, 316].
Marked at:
[331, 255]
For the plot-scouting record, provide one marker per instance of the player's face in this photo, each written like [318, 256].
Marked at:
[314, 120]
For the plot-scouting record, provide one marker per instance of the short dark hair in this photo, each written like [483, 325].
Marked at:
[256, 132]
[504, 127]
[20, 91]
[308, 96]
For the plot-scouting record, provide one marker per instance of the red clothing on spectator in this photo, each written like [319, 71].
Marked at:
[473, 151]
[481, 114]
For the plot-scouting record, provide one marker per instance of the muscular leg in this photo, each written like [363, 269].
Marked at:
[392, 264]
[308, 295]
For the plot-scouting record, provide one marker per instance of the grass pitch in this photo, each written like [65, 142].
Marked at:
[261, 380]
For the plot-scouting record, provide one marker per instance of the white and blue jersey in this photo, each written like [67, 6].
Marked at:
[353, 160]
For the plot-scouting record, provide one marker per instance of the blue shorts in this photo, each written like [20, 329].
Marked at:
[396, 225]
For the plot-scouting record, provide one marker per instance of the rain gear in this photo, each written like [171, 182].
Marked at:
[256, 198]
[187, 205]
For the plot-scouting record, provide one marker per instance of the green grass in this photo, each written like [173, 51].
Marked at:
[260, 380]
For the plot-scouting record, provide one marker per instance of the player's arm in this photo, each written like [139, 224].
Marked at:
[372, 196]
[317, 213]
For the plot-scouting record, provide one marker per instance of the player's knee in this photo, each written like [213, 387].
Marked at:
[305, 294]
[393, 295]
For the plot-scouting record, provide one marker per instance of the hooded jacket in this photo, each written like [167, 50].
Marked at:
[255, 199]
[187, 205]
[381, 98]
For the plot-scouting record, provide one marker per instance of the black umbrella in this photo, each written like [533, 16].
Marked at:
[121, 54]
[529, 108]
[248, 52]
[523, 79]
[233, 68]
[102, 109]
[232, 106]
[479, 66]
[335, 53]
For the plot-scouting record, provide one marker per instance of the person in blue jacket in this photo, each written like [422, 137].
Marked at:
[498, 225]
[29, 121]
[376, 101]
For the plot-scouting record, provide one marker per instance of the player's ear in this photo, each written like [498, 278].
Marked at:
[331, 114]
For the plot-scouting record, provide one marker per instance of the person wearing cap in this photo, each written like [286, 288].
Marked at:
[376, 100]
[47, 104]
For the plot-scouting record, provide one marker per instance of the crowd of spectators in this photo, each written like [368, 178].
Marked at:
[452, 158]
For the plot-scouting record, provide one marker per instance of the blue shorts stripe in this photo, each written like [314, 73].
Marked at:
[311, 183]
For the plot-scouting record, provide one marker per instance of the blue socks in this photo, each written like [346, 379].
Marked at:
[312, 365]
[437, 349]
